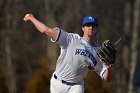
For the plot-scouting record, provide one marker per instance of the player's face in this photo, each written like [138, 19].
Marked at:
[89, 30]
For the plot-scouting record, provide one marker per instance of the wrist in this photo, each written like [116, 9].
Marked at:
[109, 66]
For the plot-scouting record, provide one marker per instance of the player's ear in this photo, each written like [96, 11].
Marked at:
[82, 29]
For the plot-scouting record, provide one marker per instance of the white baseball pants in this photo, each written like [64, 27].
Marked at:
[56, 86]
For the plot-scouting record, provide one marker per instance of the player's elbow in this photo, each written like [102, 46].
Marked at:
[107, 79]
[44, 30]
[107, 75]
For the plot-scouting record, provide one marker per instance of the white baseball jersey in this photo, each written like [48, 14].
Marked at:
[77, 57]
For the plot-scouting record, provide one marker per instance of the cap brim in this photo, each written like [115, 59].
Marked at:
[90, 23]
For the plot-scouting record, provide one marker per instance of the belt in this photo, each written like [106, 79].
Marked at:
[65, 82]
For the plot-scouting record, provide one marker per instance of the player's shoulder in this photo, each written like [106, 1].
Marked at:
[74, 35]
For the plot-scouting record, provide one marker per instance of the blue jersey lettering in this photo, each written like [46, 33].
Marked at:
[87, 54]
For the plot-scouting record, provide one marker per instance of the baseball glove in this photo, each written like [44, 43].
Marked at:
[107, 53]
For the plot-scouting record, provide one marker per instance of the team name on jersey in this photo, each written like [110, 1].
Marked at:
[87, 54]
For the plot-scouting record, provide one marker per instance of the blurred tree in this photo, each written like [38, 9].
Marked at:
[134, 43]
[10, 76]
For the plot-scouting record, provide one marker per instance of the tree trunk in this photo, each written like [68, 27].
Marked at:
[126, 48]
[10, 78]
[134, 43]
[52, 49]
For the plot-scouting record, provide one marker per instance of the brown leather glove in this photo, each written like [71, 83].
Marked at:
[107, 53]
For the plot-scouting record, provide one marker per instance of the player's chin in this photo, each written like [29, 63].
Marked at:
[92, 34]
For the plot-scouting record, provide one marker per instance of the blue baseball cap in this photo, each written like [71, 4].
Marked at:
[90, 19]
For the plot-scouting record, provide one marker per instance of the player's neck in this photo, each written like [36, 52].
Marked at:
[88, 39]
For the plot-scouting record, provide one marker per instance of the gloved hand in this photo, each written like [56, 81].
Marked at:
[107, 53]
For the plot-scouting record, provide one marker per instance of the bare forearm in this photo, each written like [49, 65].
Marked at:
[107, 75]
[52, 33]
[40, 26]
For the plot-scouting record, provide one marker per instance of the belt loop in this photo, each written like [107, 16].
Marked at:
[55, 76]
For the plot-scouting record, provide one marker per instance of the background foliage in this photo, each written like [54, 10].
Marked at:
[27, 57]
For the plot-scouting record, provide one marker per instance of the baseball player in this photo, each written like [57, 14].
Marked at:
[78, 55]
